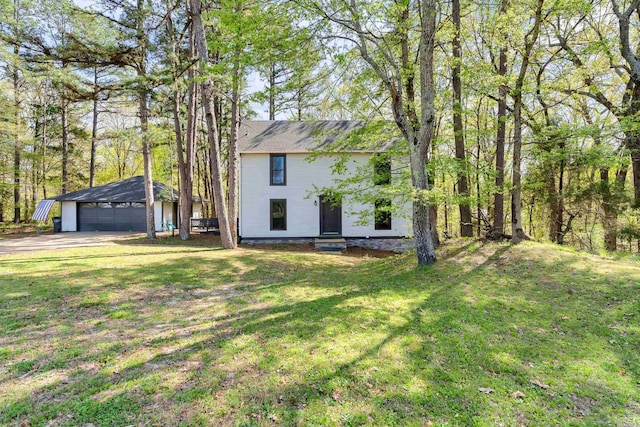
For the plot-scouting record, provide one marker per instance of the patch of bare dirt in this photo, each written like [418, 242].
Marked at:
[582, 405]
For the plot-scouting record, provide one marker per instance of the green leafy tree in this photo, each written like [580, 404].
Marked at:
[407, 78]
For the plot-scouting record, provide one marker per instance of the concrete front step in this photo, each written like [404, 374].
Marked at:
[331, 245]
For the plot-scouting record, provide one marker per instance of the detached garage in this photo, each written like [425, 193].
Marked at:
[119, 206]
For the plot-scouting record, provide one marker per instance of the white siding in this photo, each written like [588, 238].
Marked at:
[69, 216]
[167, 213]
[157, 215]
[197, 210]
[303, 214]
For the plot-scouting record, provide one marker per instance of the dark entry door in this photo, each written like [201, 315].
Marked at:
[330, 216]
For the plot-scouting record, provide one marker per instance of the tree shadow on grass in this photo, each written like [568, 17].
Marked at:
[520, 341]
[82, 316]
[84, 257]
[273, 340]
[166, 239]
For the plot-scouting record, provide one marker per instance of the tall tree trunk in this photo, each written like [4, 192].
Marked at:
[552, 195]
[635, 164]
[478, 198]
[610, 205]
[498, 197]
[433, 221]
[418, 155]
[197, 28]
[517, 228]
[421, 214]
[447, 233]
[192, 122]
[418, 132]
[199, 180]
[610, 225]
[433, 207]
[548, 144]
[466, 226]
[146, 157]
[94, 130]
[560, 218]
[17, 152]
[34, 177]
[185, 165]
[531, 38]
[204, 164]
[143, 110]
[183, 224]
[234, 163]
[43, 148]
[2, 184]
[65, 145]
[233, 146]
[26, 197]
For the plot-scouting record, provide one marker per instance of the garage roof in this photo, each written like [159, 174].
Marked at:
[281, 136]
[127, 190]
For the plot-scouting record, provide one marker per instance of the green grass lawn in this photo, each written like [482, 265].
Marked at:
[188, 335]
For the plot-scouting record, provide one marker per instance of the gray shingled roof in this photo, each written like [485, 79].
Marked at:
[294, 137]
[127, 190]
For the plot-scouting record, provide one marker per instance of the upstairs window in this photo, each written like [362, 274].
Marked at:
[381, 170]
[382, 214]
[278, 169]
[278, 214]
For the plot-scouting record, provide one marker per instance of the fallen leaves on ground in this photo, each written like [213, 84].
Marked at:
[539, 384]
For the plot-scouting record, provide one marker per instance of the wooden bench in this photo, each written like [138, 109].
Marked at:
[205, 225]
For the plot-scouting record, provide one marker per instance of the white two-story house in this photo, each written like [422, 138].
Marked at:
[279, 185]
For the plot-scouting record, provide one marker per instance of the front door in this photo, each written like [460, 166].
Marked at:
[330, 216]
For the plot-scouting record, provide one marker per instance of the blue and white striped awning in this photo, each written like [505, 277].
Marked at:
[43, 209]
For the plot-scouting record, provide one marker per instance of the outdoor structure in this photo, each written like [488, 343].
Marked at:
[279, 186]
[119, 206]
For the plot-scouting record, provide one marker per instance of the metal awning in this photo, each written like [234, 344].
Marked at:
[43, 209]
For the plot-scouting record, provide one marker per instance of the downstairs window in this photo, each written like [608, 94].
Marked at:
[382, 214]
[278, 208]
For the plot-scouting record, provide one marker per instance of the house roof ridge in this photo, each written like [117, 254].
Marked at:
[125, 190]
[286, 136]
